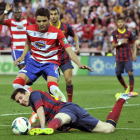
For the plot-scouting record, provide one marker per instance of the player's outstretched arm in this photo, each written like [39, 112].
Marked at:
[76, 40]
[41, 116]
[7, 9]
[75, 59]
[26, 49]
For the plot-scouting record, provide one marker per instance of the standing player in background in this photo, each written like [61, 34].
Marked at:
[122, 40]
[17, 28]
[66, 65]
[44, 41]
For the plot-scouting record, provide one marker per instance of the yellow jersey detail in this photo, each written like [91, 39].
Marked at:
[58, 25]
[122, 32]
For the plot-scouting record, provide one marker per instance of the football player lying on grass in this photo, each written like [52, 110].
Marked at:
[65, 115]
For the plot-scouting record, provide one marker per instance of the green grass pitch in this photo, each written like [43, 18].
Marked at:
[95, 93]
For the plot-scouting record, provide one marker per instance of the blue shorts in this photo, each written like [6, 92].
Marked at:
[16, 54]
[34, 70]
[80, 118]
[120, 66]
[65, 66]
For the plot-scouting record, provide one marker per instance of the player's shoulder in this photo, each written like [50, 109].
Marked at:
[65, 24]
[31, 27]
[53, 29]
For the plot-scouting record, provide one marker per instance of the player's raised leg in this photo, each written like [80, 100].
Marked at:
[113, 116]
[54, 89]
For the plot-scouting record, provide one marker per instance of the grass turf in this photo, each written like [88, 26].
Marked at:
[95, 93]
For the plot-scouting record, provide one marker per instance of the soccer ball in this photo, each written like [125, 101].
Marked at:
[21, 126]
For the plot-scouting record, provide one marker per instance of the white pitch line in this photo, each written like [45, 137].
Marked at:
[116, 128]
[111, 106]
[129, 128]
[85, 108]
[14, 114]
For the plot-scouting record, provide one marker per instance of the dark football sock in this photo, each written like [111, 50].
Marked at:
[69, 90]
[114, 114]
[54, 124]
[131, 82]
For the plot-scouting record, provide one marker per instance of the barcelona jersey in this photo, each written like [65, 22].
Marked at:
[123, 52]
[49, 102]
[68, 31]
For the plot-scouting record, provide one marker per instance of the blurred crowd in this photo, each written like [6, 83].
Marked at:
[92, 20]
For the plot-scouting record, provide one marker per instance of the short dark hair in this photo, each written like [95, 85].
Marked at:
[120, 18]
[55, 8]
[21, 90]
[42, 12]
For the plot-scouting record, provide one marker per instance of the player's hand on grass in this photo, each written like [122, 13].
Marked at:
[85, 67]
[8, 6]
[16, 62]
[134, 58]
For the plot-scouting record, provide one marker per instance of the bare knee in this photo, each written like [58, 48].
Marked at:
[110, 128]
[103, 127]
[68, 80]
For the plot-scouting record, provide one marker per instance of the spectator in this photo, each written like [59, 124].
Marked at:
[118, 8]
[36, 4]
[88, 32]
[112, 24]
[107, 43]
[93, 13]
[98, 36]
[5, 41]
[85, 8]
[101, 7]
[101, 15]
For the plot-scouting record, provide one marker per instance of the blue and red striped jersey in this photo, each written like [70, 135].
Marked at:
[50, 103]
[68, 31]
[123, 52]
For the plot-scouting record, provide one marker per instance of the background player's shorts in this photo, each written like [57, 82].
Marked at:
[80, 118]
[120, 66]
[17, 53]
[65, 66]
[34, 69]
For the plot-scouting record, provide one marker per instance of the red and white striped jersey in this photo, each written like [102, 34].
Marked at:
[18, 32]
[45, 45]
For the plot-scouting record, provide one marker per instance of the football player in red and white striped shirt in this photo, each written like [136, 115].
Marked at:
[17, 28]
[44, 41]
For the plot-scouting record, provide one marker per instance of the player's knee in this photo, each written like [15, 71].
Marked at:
[68, 81]
[118, 74]
[110, 129]
[19, 82]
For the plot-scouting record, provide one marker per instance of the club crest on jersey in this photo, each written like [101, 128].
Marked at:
[48, 34]
[119, 40]
[40, 44]
[20, 27]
